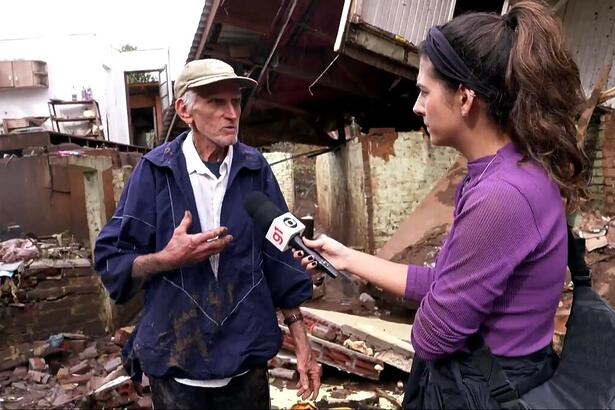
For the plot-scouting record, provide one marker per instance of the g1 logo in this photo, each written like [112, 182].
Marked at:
[290, 222]
[277, 235]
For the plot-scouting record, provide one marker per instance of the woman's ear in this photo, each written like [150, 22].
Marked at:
[467, 98]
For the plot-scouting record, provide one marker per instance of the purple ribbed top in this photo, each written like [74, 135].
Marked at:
[502, 267]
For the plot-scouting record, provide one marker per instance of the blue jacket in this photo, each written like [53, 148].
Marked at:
[193, 325]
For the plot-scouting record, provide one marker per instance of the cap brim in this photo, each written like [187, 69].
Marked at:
[244, 82]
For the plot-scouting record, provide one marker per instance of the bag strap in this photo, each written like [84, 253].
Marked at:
[579, 271]
[501, 389]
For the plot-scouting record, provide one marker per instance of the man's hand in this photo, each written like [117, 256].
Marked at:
[309, 370]
[309, 375]
[185, 249]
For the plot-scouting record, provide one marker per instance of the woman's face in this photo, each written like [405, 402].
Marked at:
[437, 105]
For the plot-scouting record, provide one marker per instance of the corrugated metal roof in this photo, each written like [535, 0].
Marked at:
[200, 31]
[409, 19]
[590, 29]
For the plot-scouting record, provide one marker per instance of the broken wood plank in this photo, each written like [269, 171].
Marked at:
[592, 101]
[606, 95]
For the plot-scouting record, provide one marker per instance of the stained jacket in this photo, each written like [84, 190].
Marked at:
[192, 324]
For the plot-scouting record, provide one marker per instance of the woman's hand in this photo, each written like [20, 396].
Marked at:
[330, 249]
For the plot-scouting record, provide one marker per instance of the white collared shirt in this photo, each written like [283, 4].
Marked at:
[209, 193]
[208, 189]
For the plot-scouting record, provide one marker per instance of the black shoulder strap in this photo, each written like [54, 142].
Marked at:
[501, 389]
[579, 271]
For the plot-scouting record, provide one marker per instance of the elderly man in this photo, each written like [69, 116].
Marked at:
[212, 282]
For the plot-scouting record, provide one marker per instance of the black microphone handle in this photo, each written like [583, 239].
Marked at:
[324, 264]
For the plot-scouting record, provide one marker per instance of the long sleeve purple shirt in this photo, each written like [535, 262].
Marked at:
[502, 267]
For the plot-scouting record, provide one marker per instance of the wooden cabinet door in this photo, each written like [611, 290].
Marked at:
[23, 73]
[6, 74]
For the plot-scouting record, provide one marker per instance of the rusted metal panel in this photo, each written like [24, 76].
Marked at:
[45, 195]
[590, 31]
[28, 198]
[409, 19]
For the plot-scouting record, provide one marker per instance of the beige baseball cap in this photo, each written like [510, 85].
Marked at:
[207, 71]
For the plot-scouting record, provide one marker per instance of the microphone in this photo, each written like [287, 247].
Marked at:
[283, 229]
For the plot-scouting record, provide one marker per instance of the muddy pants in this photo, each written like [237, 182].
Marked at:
[248, 391]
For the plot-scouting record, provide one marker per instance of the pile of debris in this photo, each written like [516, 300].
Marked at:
[70, 370]
[599, 234]
[47, 286]
[21, 260]
[359, 346]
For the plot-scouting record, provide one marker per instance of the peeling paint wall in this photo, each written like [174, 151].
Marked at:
[283, 172]
[404, 169]
[368, 187]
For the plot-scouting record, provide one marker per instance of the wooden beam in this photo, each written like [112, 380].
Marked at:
[261, 102]
[244, 22]
[226, 52]
[309, 76]
[607, 95]
[592, 101]
[384, 47]
[316, 33]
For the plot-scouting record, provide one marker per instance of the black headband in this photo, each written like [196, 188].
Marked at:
[448, 63]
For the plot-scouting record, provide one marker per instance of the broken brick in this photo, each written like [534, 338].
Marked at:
[78, 379]
[63, 373]
[19, 385]
[88, 353]
[37, 364]
[20, 372]
[113, 364]
[81, 368]
[121, 336]
[38, 377]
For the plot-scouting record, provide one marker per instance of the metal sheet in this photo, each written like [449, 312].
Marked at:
[409, 19]
[590, 31]
[46, 195]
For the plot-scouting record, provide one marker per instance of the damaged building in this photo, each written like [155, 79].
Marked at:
[331, 112]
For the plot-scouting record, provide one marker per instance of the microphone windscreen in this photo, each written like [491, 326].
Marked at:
[261, 209]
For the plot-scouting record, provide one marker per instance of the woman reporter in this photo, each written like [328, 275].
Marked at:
[503, 91]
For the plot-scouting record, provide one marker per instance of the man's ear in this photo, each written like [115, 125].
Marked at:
[467, 98]
[182, 111]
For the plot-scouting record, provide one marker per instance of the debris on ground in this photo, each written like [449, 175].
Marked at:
[354, 344]
[71, 370]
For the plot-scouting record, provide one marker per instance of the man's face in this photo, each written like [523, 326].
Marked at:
[215, 113]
